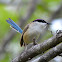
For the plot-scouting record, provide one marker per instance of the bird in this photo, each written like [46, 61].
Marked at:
[31, 32]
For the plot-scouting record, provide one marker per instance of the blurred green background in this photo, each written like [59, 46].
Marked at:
[18, 10]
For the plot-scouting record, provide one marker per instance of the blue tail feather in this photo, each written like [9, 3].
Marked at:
[14, 25]
[18, 28]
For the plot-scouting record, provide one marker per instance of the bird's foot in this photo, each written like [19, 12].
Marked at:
[34, 42]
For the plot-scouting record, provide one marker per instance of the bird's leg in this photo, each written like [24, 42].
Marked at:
[34, 41]
[26, 47]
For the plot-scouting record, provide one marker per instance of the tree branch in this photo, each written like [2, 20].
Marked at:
[38, 49]
[51, 54]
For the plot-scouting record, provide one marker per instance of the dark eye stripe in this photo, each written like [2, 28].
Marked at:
[40, 20]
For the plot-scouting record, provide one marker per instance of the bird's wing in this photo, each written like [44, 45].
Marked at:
[22, 41]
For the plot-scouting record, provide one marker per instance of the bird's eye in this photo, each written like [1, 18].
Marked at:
[43, 21]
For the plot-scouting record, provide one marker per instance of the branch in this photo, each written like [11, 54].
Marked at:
[51, 54]
[38, 49]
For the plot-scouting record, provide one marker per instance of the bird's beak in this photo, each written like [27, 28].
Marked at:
[49, 23]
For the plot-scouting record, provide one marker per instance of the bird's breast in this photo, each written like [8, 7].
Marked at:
[32, 32]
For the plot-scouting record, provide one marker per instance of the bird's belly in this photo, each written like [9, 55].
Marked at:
[30, 35]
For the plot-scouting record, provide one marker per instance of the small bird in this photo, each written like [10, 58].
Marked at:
[31, 32]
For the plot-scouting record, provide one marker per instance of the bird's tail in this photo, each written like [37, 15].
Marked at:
[14, 25]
